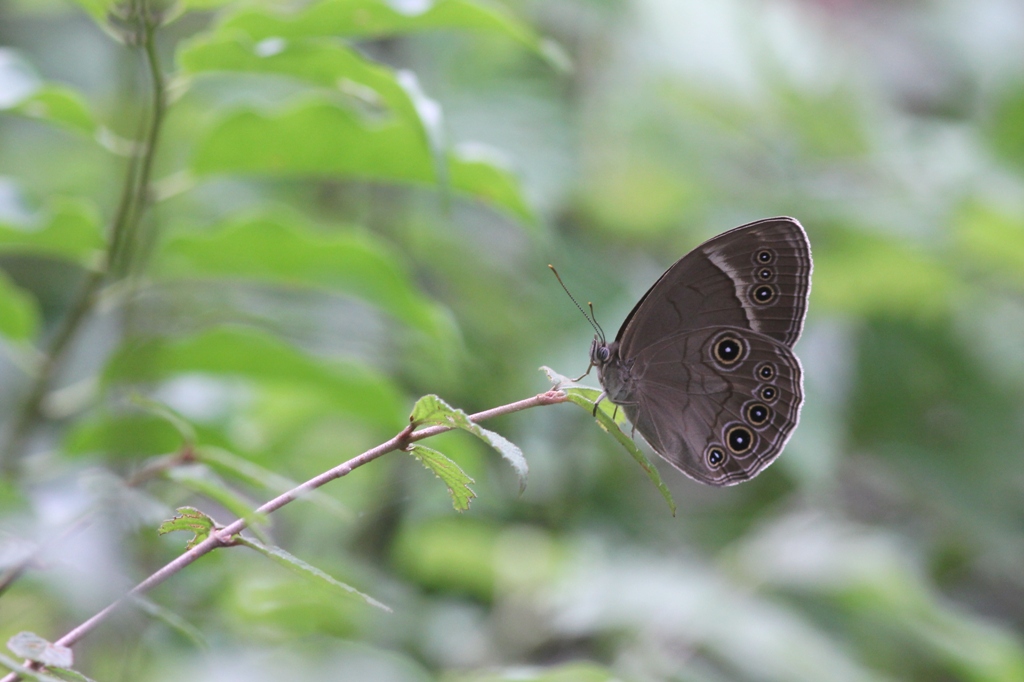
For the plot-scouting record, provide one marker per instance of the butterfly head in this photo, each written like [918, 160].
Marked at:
[602, 352]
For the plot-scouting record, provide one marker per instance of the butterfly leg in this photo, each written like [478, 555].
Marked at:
[580, 377]
[598, 401]
[632, 433]
[589, 367]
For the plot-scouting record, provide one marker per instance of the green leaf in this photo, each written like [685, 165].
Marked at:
[313, 138]
[483, 172]
[432, 410]
[19, 311]
[319, 138]
[172, 620]
[281, 248]
[191, 520]
[33, 647]
[201, 479]
[579, 397]
[378, 18]
[249, 353]
[70, 229]
[25, 94]
[323, 62]
[122, 434]
[587, 398]
[58, 104]
[293, 563]
[449, 472]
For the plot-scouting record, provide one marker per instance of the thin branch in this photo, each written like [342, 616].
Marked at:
[223, 537]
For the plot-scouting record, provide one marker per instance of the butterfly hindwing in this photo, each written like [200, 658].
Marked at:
[717, 416]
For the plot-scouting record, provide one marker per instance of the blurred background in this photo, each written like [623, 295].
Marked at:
[355, 205]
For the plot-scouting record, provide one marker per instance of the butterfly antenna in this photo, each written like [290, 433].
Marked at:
[600, 331]
[590, 318]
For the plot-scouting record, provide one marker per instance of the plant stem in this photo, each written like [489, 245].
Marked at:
[222, 537]
[57, 349]
[117, 259]
[128, 239]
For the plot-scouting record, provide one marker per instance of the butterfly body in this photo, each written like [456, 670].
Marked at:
[703, 366]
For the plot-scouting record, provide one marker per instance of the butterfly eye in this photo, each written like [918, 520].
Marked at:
[769, 394]
[763, 294]
[728, 350]
[765, 274]
[603, 354]
[764, 256]
[739, 439]
[758, 414]
[715, 456]
[765, 371]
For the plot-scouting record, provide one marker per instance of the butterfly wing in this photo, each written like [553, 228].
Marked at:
[719, 417]
[754, 277]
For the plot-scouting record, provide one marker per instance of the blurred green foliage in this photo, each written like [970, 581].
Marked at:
[353, 204]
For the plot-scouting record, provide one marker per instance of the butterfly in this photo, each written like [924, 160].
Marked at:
[703, 365]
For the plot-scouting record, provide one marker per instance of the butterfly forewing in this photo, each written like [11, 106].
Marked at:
[756, 276]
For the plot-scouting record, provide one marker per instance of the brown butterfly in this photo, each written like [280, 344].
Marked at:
[703, 366]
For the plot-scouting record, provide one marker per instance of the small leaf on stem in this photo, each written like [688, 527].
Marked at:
[449, 472]
[432, 410]
[33, 647]
[203, 480]
[192, 520]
